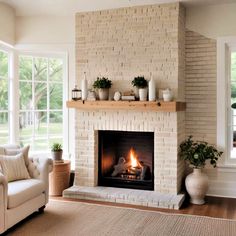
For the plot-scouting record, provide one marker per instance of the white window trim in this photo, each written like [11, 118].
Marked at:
[224, 46]
[13, 127]
[64, 57]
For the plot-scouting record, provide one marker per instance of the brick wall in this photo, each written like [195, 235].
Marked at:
[200, 89]
[123, 43]
[165, 128]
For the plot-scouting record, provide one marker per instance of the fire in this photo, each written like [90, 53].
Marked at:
[133, 158]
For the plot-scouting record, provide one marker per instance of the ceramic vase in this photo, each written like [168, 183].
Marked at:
[151, 90]
[197, 185]
[142, 94]
[103, 93]
[84, 88]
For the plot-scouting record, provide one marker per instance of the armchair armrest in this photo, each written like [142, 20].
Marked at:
[3, 201]
[39, 168]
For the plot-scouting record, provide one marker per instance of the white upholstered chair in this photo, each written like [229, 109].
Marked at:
[20, 198]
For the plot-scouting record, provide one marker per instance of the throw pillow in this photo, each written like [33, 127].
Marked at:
[24, 151]
[13, 167]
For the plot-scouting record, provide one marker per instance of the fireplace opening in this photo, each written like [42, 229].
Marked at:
[126, 159]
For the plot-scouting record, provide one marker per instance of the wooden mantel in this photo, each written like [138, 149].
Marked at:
[128, 105]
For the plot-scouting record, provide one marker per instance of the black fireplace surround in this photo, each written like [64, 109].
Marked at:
[126, 159]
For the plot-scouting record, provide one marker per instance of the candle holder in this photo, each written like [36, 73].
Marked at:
[76, 94]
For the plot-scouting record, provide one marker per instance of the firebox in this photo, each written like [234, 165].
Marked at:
[126, 159]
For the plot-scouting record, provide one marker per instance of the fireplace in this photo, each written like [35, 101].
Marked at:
[126, 159]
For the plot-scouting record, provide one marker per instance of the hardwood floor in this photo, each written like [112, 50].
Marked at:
[214, 207]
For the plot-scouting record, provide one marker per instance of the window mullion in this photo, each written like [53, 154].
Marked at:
[33, 101]
[48, 102]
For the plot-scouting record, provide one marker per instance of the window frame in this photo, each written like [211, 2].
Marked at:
[225, 45]
[12, 129]
[13, 95]
[64, 57]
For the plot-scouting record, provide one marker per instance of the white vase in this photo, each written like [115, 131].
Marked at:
[197, 185]
[142, 94]
[103, 93]
[84, 88]
[151, 90]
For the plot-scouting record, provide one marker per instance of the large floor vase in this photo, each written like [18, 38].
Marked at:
[197, 185]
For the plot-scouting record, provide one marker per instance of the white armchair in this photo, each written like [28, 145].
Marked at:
[19, 199]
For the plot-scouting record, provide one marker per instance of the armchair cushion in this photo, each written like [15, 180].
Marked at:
[14, 150]
[13, 167]
[23, 190]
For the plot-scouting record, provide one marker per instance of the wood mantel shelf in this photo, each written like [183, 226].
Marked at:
[128, 105]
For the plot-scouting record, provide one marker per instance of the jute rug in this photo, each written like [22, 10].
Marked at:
[76, 218]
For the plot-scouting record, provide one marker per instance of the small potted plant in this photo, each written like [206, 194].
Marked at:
[57, 152]
[196, 153]
[102, 84]
[141, 83]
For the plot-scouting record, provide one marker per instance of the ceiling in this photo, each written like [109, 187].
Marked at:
[69, 7]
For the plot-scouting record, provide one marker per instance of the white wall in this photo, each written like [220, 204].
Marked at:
[7, 24]
[45, 30]
[44, 34]
[212, 21]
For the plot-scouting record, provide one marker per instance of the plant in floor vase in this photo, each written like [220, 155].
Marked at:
[141, 83]
[196, 153]
[57, 151]
[102, 84]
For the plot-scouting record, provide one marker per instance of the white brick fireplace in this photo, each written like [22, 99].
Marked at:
[168, 128]
[121, 44]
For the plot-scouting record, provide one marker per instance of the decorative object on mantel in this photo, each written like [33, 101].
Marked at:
[57, 152]
[76, 94]
[151, 90]
[141, 83]
[91, 95]
[128, 96]
[196, 153]
[117, 96]
[102, 84]
[167, 95]
[84, 87]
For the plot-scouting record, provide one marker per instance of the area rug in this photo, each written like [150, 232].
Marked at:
[76, 218]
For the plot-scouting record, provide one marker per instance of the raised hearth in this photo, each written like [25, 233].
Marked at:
[125, 196]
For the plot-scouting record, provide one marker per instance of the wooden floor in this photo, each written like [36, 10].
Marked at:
[214, 207]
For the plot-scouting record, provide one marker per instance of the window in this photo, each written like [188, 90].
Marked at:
[232, 121]
[226, 96]
[4, 88]
[41, 101]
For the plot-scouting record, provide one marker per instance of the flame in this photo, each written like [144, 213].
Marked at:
[133, 158]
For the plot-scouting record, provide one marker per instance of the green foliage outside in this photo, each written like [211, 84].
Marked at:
[233, 77]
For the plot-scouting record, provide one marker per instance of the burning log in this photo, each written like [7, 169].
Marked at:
[120, 168]
[146, 173]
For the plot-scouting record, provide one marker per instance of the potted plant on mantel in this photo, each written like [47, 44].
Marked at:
[141, 83]
[102, 84]
[57, 152]
[196, 153]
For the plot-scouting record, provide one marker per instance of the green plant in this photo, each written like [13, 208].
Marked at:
[56, 147]
[139, 82]
[102, 83]
[197, 152]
